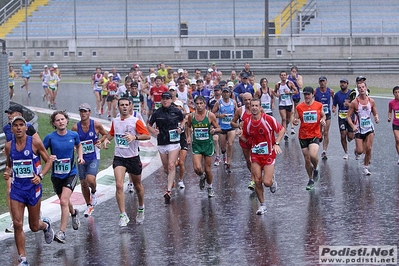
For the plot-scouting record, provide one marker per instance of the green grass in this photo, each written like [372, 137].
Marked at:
[44, 129]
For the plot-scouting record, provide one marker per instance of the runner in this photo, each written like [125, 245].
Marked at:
[183, 145]
[24, 154]
[13, 111]
[62, 143]
[259, 132]
[241, 114]
[340, 99]
[52, 81]
[88, 131]
[266, 96]
[112, 88]
[204, 124]
[11, 81]
[224, 110]
[217, 95]
[26, 69]
[128, 131]
[183, 93]
[284, 89]
[95, 80]
[362, 107]
[312, 116]
[393, 107]
[43, 76]
[296, 98]
[104, 89]
[155, 93]
[169, 123]
[324, 95]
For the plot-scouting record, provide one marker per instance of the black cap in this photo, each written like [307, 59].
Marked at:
[322, 78]
[344, 80]
[134, 84]
[226, 89]
[359, 78]
[308, 90]
[244, 75]
[217, 87]
[166, 95]
[222, 82]
[14, 108]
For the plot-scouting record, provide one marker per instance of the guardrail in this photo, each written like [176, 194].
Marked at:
[2, 157]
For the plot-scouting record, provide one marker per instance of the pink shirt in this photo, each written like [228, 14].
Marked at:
[394, 107]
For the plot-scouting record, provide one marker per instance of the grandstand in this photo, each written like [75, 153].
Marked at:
[150, 18]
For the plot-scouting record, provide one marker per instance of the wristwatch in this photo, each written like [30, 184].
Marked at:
[277, 143]
[41, 176]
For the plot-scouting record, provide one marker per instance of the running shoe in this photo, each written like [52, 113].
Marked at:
[44, 97]
[398, 161]
[228, 168]
[23, 262]
[251, 185]
[324, 155]
[202, 181]
[217, 161]
[224, 159]
[181, 184]
[75, 220]
[28, 93]
[109, 117]
[89, 210]
[286, 137]
[60, 237]
[316, 176]
[49, 232]
[123, 220]
[167, 197]
[10, 228]
[130, 187]
[345, 157]
[94, 199]
[357, 156]
[211, 192]
[366, 171]
[140, 216]
[102, 110]
[21, 87]
[262, 210]
[310, 185]
[293, 131]
[273, 187]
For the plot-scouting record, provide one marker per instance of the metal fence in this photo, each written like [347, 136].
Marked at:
[4, 96]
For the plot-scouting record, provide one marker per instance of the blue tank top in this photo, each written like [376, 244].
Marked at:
[25, 164]
[63, 148]
[228, 110]
[88, 140]
[324, 98]
[295, 96]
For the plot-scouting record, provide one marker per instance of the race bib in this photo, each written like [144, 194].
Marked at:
[112, 93]
[121, 141]
[62, 166]
[310, 117]
[173, 135]
[157, 105]
[23, 168]
[397, 114]
[261, 148]
[265, 106]
[343, 114]
[285, 96]
[325, 108]
[365, 122]
[227, 119]
[201, 133]
[10, 81]
[88, 146]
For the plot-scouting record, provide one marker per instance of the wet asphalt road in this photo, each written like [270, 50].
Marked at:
[345, 208]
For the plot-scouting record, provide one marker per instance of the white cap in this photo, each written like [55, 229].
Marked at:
[210, 70]
[153, 75]
[55, 65]
[171, 84]
[230, 84]
[193, 81]
[172, 88]
[45, 66]
[180, 70]
[110, 75]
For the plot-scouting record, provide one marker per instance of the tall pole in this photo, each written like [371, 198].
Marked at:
[26, 20]
[179, 28]
[266, 28]
[291, 26]
[350, 29]
[234, 29]
[74, 20]
[126, 26]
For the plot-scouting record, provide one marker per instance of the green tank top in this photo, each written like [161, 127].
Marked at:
[201, 129]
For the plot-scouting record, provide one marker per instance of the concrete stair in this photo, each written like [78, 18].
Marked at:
[19, 17]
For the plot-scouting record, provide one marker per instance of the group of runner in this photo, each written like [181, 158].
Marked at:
[203, 111]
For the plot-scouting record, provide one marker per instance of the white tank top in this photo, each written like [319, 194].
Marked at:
[183, 96]
[363, 121]
[266, 102]
[285, 99]
[122, 148]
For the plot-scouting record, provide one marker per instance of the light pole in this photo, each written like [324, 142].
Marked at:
[350, 29]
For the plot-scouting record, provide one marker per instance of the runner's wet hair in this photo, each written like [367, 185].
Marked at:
[54, 114]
